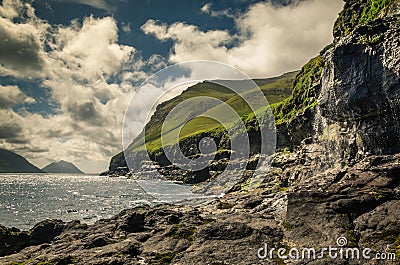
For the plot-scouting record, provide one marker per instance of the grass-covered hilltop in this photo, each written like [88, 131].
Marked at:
[275, 90]
[334, 181]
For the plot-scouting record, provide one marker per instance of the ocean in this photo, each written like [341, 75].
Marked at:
[26, 199]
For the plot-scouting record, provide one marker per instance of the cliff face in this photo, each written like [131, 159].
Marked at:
[359, 104]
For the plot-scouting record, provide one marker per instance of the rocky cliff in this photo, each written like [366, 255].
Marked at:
[337, 185]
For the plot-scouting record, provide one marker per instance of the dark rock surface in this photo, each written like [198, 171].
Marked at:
[361, 89]
[360, 203]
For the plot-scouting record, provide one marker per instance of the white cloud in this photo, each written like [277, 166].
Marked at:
[12, 95]
[11, 8]
[206, 8]
[84, 67]
[271, 39]
[190, 43]
[126, 27]
[21, 48]
[91, 49]
[99, 4]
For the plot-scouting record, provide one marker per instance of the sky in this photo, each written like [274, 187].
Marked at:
[68, 69]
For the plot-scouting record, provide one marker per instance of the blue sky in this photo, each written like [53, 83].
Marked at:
[135, 13]
[69, 68]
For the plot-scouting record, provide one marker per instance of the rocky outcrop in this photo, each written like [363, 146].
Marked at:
[360, 203]
[13, 240]
[359, 103]
[343, 202]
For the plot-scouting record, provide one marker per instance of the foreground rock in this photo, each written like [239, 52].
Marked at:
[360, 203]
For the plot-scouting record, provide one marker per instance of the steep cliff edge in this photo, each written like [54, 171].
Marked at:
[358, 110]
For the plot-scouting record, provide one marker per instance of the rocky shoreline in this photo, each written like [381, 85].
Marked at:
[360, 203]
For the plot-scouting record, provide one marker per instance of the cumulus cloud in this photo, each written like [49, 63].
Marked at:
[22, 37]
[271, 38]
[12, 95]
[20, 48]
[90, 49]
[86, 71]
[11, 8]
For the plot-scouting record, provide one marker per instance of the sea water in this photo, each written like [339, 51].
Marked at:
[26, 199]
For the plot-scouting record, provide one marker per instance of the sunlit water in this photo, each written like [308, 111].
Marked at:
[26, 199]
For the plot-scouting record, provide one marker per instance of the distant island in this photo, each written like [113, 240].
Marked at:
[62, 167]
[11, 162]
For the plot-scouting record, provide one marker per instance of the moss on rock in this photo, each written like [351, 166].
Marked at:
[358, 12]
[304, 92]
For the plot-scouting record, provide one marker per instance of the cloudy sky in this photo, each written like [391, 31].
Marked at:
[69, 68]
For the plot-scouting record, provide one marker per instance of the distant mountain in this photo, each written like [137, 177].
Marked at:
[11, 162]
[62, 167]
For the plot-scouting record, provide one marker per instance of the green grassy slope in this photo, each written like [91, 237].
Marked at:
[303, 95]
[275, 89]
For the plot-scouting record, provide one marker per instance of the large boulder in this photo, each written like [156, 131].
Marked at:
[46, 231]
